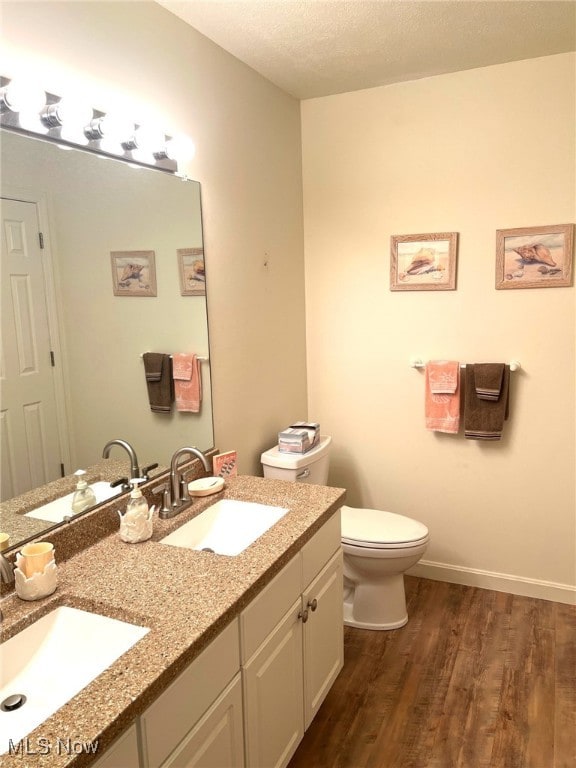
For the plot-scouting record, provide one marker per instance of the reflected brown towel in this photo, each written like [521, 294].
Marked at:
[484, 419]
[488, 380]
[158, 370]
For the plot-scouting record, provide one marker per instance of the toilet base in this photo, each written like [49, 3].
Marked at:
[349, 621]
[379, 606]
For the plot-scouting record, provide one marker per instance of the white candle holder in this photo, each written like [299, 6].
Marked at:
[40, 584]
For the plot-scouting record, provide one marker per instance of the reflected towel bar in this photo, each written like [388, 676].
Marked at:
[417, 362]
[198, 357]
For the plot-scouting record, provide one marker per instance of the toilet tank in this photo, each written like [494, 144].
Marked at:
[309, 467]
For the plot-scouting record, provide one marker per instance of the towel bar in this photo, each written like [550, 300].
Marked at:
[198, 357]
[417, 362]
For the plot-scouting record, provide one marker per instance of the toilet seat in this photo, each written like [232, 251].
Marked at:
[376, 529]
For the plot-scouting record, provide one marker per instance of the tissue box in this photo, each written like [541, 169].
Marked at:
[299, 437]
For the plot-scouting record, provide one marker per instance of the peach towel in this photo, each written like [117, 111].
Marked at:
[442, 397]
[187, 382]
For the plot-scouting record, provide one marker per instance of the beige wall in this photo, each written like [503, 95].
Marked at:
[470, 152]
[248, 162]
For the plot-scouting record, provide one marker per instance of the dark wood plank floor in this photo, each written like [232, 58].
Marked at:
[476, 679]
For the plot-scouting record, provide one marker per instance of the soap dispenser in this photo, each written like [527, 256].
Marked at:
[136, 522]
[84, 496]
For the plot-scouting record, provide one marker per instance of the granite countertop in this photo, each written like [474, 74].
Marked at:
[185, 597]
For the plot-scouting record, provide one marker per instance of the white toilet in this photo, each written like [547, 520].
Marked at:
[378, 546]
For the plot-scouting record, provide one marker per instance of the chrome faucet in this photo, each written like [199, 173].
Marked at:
[134, 468]
[178, 498]
[6, 574]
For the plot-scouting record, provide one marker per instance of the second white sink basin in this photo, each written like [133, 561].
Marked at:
[227, 527]
[50, 661]
[55, 511]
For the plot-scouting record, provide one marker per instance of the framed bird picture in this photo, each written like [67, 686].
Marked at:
[424, 262]
[534, 257]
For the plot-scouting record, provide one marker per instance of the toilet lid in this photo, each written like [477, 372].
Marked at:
[376, 528]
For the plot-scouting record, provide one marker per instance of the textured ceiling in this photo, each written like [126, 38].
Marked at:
[320, 47]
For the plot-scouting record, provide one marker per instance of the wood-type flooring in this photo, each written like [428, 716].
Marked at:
[476, 679]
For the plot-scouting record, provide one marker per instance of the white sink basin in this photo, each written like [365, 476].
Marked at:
[50, 661]
[227, 527]
[55, 511]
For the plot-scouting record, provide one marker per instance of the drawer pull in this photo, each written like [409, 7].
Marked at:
[312, 604]
[303, 615]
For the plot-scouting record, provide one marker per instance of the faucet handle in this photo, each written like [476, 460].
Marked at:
[165, 491]
[183, 485]
[6, 570]
[146, 470]
[123, 482]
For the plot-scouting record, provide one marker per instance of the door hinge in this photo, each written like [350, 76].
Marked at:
[52, 359]
[62, 473]
[41, 239]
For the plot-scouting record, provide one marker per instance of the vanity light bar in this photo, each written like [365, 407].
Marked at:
[24, 108]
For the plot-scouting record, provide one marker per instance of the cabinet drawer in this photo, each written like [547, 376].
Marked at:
[266, 610]
[320, 548]
[176, 711]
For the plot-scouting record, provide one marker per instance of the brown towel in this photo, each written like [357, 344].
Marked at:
[488, 380]
[484, 419]
[158, 370]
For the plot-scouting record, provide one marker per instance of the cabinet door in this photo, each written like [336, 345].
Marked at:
[262, 615]
[123, 753]
[323, 635]
[217, 739]
[273, 695]
[175, 712]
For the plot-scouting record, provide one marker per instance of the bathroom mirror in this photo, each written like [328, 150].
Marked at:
[87, 208]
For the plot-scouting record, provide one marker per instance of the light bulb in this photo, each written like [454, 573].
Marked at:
[68, 112]
[30, 121]
[149, 139]
[111, 128]
[180, 148]
[22, 95]
[74, 134]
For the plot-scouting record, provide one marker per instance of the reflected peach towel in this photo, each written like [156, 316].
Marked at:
[187, 382]
[442, 397]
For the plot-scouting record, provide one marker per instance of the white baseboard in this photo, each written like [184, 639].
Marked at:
[501, 582]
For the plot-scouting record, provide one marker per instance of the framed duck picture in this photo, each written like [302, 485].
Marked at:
[534, 257]
[423, 262]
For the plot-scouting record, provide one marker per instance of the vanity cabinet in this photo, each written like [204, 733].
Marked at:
[288, 668]
[250, 695]
[198, 718]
